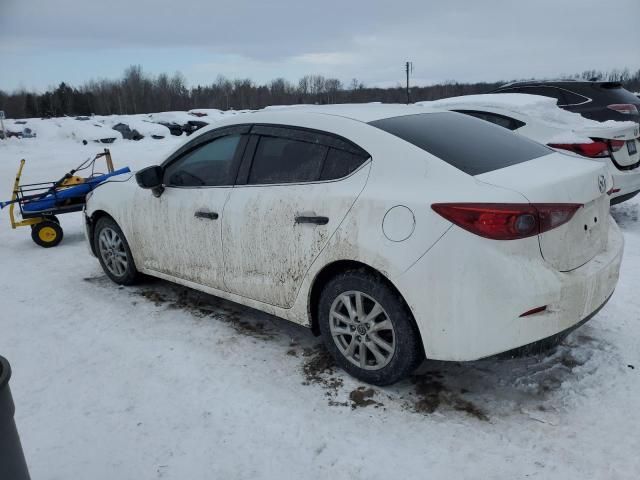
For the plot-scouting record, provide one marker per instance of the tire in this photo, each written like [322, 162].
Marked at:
[390, 338]
[113, 252]
[47, 233]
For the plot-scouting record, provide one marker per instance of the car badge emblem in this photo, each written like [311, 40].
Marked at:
[602, 183]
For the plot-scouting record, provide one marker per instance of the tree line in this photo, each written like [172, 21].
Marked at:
[138, 92]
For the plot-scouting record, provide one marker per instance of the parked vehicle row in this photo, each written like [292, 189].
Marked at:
[107, 129]
[592, 99]
[615, 144]
[397, 233]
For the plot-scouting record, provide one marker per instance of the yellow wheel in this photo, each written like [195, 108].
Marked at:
[47, 233]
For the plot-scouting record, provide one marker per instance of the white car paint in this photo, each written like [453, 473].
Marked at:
[547, 123]
[466, 292]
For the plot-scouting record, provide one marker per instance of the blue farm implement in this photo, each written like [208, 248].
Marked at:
[40, 203]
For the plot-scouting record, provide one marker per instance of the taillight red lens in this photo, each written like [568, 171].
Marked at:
[627, 108]
[615, 145]
[552, 215]
[507, 221]
[597, 149]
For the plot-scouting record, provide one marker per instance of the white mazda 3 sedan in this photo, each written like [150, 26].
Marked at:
[394, 233]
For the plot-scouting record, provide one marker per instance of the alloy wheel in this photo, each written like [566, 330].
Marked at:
[362, 330]
[113, 252]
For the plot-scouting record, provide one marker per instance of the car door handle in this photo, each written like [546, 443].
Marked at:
[312, 220]
[205, 214]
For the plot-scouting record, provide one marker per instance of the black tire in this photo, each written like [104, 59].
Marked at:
[407, 353]
[128, 274]
[47, 233]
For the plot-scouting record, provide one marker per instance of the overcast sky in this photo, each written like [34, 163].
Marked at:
[44, 42]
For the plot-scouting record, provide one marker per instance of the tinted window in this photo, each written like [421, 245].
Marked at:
[614, 93]
[502, 120]
[207, 165]
[339, 164]
[284, 160]
[469, 144]
[571, 98]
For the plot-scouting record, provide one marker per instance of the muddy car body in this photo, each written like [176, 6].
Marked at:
[393, 245]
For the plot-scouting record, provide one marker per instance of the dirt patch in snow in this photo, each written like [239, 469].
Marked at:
[202, 305]
[432, 394]
[363, 397]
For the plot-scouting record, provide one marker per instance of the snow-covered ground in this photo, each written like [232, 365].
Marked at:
[158, 381]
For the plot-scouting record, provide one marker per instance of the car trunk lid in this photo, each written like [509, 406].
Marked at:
[559, 178]
[623, 139]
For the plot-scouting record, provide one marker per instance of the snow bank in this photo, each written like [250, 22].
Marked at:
[205, 113]
[141, 123]
[70, 128]
[178, 117]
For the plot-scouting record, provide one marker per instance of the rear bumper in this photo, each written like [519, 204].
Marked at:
[549, 342]
[467, 300]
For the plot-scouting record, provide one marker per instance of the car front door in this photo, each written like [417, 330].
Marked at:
[294, 189]
[179, 232]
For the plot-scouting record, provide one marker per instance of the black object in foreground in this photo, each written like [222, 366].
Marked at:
[12, 462]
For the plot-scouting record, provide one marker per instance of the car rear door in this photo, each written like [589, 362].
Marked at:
[179, 232]
[294, 188]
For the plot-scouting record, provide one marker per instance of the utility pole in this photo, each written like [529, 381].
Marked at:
[408, 69]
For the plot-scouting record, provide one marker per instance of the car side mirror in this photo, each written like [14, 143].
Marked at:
[151, 177]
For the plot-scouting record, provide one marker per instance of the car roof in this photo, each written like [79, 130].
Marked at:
[297, 114]
[363, 112]
[567, 82]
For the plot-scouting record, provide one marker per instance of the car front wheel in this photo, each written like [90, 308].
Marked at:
[368, 328]
[113, 252]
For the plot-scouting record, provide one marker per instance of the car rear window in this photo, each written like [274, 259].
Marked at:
[497, 119]
[613, 93]
[469, 144]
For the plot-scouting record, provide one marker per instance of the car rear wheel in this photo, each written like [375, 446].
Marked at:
[368, 328]
[114, 253]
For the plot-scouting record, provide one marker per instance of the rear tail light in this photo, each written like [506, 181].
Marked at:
[626, 108]
[507, 221]
[615, 145]
[597, 149]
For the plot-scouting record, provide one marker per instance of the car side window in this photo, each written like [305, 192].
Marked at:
[285, 160]
[571, 98]
[211, 164]
[340, 163]
[502, 120]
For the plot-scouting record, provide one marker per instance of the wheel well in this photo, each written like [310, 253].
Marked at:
[330, 271]
[97, 215]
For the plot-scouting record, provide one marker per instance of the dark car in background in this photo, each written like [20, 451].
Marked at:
[592, 99]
